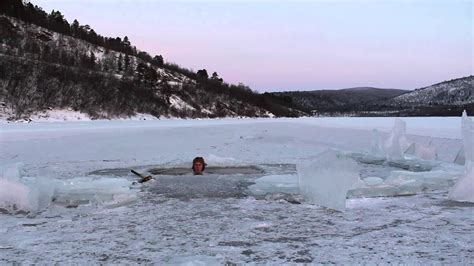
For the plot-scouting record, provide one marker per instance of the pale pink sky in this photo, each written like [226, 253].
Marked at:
[295, 45]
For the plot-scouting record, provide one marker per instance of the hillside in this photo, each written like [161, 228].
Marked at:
[448, 98]
[453, 92]
[344, 100]
[65, 68]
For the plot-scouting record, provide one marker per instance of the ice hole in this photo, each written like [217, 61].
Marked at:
[216, 182]
[211, 170]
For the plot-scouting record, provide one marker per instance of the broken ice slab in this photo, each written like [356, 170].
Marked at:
[372, 181]
[368, 158]
[275, 184]
[83, 190]
[413, 165]
[403, 183]
[378, 191]
[326, 180]
[410, 164]
[420, 181]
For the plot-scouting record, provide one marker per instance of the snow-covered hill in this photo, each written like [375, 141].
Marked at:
[41, 70]
[454, 92]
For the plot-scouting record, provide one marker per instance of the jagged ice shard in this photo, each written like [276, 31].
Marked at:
[463, 190]
[377, 145]
[326, 180]
[19, 193]
[397, 143]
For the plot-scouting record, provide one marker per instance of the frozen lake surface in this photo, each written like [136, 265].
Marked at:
[247, 208]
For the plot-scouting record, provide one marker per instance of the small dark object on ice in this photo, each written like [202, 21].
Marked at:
[293, 201]
[143, 178]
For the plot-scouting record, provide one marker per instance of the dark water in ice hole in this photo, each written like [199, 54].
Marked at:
[217, 182]
[234, 181]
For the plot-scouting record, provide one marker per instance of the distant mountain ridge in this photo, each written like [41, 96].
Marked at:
[444, 98]
[453, 92]
[343, 100]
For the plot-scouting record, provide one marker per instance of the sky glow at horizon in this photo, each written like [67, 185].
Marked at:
[288, 45]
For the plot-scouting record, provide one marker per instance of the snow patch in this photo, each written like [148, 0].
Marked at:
[179, 104]
[57, 115]
[140, 117]
[175, 83]
[270, 115]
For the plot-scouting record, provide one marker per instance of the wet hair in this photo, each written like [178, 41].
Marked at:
[199, 160]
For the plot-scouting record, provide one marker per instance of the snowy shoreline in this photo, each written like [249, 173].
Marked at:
[442, 127]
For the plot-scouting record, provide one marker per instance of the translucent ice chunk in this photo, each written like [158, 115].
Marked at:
[377, 146]
[468, 139]
[373, 181]
[13, 196]
[275, 184]
[460, 159]
[423, 152]
[401, 183]
[463, 190]
[427, 152]
[397, 143]
[411, 149]
[326, 180]
[83, 190]
[415, 182]
[19, 193]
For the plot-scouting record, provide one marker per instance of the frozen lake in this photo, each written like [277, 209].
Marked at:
[247, 208]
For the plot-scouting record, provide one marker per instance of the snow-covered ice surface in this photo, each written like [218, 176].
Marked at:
[246, 211]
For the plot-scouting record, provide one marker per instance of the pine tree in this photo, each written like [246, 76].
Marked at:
[215, 77]
[92, 59]
[126, 42]
[75, 28]
[119, 63]
[158, 60]
[127, 61]
[202, 74]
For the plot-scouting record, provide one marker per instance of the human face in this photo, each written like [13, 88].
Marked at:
[198, 167]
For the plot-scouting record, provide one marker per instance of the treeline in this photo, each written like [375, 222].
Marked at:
[118, 56]
[29, 86]
[39, 45]
[55, 21]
